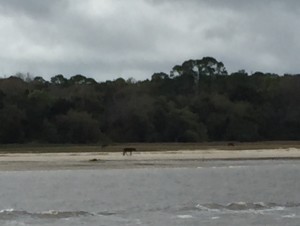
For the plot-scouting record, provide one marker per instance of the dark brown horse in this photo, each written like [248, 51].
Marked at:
[128, 151]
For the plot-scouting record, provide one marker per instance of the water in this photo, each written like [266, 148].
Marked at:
[219, 193]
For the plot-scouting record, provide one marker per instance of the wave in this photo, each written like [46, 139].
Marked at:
[184, 210]
[244, 206]
[184, 216]
[9, 214]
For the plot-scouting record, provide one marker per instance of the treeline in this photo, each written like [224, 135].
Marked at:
[197, 101]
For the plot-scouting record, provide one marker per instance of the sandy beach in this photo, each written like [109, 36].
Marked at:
[115, 160]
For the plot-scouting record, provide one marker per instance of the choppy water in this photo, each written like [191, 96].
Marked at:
[241, 193]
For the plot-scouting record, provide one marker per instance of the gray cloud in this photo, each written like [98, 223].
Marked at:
[111, 38]
[32, 8]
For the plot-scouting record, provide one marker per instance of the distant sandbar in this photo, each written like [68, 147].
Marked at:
[115, 160]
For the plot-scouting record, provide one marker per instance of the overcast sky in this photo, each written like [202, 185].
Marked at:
[107, 39]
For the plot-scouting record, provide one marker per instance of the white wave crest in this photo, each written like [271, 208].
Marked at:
[7, 211]
[184, 216]
[255, 207]
[290, 216]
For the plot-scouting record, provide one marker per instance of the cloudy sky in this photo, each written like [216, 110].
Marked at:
[107, 39]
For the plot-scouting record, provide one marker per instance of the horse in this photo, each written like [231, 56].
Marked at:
[128, 151]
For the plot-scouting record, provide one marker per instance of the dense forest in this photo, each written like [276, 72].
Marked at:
[197, 101]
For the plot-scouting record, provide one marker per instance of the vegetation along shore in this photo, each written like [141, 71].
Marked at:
[198, 101]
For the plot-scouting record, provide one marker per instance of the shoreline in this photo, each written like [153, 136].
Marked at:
[157, 159]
